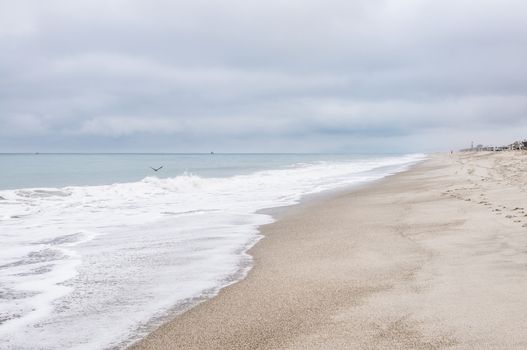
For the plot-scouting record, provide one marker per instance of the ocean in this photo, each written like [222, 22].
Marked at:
[96, 249]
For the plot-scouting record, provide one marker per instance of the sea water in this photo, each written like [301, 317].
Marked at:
[95, 249]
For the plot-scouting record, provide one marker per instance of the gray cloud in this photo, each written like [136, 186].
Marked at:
[405, 75]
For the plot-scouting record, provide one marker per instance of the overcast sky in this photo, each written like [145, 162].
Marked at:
[264, 76]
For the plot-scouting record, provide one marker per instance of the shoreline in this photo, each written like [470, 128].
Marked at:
[364, 269]
[275, 213]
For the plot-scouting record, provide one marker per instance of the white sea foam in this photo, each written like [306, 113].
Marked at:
[90, 267]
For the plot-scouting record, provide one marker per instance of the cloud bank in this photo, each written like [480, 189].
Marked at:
[261, 76]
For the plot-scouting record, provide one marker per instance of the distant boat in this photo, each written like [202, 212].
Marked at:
[211, 152]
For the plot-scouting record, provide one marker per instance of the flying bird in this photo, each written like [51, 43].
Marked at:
[154, 169]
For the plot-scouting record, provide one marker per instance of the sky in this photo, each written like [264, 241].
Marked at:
[261, 76]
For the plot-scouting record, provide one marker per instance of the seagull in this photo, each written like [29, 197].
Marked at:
[154, 169]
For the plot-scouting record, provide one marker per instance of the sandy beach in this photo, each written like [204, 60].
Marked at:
[432, 258]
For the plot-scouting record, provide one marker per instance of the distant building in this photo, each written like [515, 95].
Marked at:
[515, 146]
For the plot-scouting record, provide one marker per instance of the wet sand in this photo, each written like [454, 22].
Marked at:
[432, 258]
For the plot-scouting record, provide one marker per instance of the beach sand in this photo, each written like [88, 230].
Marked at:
[432, 258]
